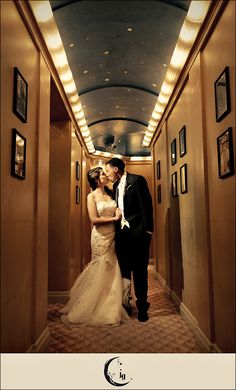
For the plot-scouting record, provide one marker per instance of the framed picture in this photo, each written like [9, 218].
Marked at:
[77, 194]
[77, 170]
[20, 96]
[18, 159]
[174, 184]
[158, 170]
[183, 179]
[159, 193]
[182, 141]
[222, 95]
[173, 152]
[225, 154]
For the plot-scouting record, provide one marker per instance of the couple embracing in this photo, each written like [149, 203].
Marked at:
[122, 227]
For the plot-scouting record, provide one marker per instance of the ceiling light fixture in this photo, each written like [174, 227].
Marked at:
[47, 25]
[188, 34]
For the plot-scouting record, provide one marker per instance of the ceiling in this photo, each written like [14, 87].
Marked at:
[118, 52]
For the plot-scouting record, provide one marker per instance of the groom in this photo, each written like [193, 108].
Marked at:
[134, 232]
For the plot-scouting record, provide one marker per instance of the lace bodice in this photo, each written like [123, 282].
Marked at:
[106, 208]
[102, 237]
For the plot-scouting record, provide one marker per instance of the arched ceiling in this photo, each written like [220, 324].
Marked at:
[118, 52]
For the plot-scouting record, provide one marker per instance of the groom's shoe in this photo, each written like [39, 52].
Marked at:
[142, 313]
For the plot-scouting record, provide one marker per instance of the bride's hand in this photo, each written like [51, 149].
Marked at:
[118, 214]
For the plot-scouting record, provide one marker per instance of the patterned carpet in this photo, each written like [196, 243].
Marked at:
[165, 332]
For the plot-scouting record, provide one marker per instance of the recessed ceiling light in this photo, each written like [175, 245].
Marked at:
[71, 44]
[100, 64]
[79, 64]
[106, 52]
[129, 29]
[141, 62]
[107, 79]
[87, 38]
[154, 85]
[84, 105]
[125, 71]
[143, 109]
[117, 106]
[142, 42]
[129, 90]
[136, 100]
[164, 65]
[100, 112]
[85, 71]
[108, 72]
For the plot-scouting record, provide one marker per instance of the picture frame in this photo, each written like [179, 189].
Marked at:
[18, 158]
[77, 170]
[173, 152]
[183, 179]
[182, 141]
[158, 169]
[225, 154]
[159, 193]
[222, 95]
[20, 96]
[77, 194]
[174, 188]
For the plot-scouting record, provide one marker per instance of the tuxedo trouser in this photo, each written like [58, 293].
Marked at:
[133, 256]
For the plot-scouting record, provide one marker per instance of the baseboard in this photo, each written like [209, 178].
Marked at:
[58, 296]
[41, 343]
[203, 341]
[205, 344]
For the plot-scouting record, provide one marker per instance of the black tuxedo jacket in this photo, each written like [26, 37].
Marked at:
[138, 209]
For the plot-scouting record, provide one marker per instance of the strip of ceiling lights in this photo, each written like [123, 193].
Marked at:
[188, 33]
[43, 14]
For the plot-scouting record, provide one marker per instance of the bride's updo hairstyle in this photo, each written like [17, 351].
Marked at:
[93, 175]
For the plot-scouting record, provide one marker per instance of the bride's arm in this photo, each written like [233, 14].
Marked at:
[93, 214]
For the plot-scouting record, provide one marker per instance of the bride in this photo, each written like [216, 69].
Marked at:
[96, 296]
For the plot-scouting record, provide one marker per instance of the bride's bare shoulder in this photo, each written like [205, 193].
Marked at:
[91, 196]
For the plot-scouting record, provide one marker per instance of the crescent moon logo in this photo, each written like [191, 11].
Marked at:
[114, 374]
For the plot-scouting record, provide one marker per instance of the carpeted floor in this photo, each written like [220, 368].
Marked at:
[164, 332]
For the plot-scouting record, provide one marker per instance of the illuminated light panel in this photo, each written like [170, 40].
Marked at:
[46, 22]
[188, 33]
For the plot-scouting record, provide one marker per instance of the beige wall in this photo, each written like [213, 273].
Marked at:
[65, 215]
[195, 231]
[219, 52]
[24, 215]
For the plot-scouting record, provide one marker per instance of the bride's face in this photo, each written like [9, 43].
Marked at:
[103, 179]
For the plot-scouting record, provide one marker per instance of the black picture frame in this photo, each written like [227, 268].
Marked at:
[225, 154]
[182, 142]
[183, 179]
[173, 152]
[18, 157]
[158, 169]
[77, 170]
[174, 184]
[20, 96]
[77, 194]
[159, 193]
[222, 95]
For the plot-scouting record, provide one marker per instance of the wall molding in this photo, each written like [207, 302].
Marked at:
[205, 344]
[58, 296]
[41, 343]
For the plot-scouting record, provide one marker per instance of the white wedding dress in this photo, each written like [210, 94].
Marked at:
[96, 296]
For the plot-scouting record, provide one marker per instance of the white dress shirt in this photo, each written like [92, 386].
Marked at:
[121, 190]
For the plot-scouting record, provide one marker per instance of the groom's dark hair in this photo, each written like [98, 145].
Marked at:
[117, 162]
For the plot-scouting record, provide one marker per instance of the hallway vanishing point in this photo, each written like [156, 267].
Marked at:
[165, 332]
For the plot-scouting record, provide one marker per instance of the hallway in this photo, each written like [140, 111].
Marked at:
[165, 332]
